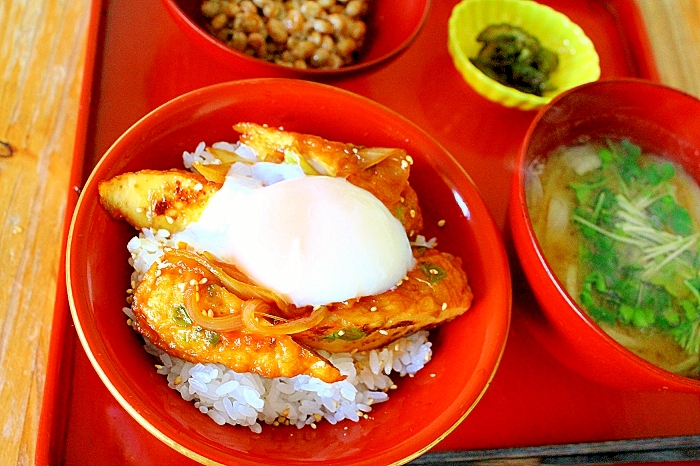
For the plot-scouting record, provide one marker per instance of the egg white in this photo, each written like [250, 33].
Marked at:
[312, 239]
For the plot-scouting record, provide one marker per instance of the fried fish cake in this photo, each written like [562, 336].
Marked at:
[159, 305]
[167, 200]
[434, 292]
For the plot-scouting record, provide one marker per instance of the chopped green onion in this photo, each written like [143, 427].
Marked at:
[434, 273]
[181, 318]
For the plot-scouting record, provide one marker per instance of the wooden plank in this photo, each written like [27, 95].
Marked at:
[42, 51]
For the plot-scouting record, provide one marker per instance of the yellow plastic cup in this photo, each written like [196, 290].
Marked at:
[578, 60]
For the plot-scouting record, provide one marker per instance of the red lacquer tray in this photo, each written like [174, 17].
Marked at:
[141, 60]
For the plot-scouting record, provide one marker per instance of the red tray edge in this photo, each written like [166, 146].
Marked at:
[49, 446]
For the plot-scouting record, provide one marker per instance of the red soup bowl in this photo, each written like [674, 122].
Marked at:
[391, 26]
[661, 121]
[422, 410]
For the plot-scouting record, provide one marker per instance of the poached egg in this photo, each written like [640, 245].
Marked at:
[314, 240]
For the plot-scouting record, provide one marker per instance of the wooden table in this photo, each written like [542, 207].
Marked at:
[42, 58]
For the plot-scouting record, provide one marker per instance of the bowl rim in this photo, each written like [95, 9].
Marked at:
[669, 379]
[495, 356]
[509, 96]
[185, 21]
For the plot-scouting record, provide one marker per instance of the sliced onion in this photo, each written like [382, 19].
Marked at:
[215, 173]
[227, 323]
[228, 158]
[255, 325]
[370, 156]
[257, 305]
[243, 290]
[229, 269]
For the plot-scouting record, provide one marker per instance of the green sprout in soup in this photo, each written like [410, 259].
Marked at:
[620, 228]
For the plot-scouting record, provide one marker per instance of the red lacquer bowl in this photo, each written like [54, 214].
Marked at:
[659, 119]
[422, 410]
[391, 27]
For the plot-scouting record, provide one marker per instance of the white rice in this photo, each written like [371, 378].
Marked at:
[246, 399]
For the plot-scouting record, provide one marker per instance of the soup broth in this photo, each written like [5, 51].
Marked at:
[619, 227]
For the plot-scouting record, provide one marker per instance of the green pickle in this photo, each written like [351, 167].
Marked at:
[515, 59]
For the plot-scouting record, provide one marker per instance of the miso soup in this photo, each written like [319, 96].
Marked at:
[620, 229]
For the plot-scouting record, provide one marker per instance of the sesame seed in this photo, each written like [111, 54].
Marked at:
[410, 159]
[129, 291]
[432, 375]
[404, 164]
[169, 219]
[198, 187]
[444, 306]
[129, 322]
[203, 281]
[341, 333]
[158, 366]
[193, 282]
[393, 386]
[441, 223]
[373, 309]
[313, 425]
[318, 417]
[210, 313]
[383, 332]
[178, 380]
[139, 210]
[412, 213]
